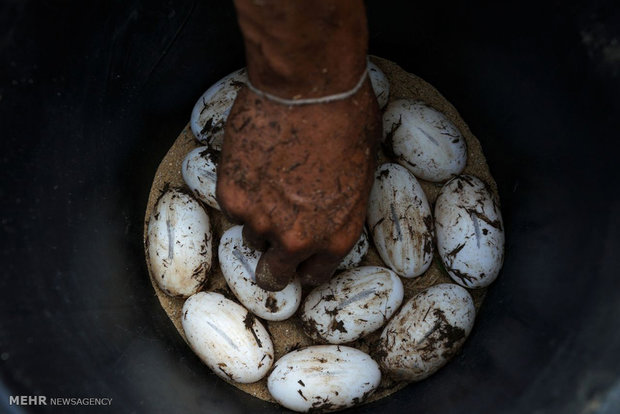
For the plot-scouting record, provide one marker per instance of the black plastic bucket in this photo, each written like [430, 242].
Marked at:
[93, 94]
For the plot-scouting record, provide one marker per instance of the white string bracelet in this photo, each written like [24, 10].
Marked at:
[310, 101]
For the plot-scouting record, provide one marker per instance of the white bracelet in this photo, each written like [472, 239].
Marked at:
[310, 101]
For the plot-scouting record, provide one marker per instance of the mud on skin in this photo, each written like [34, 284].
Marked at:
[272, 180]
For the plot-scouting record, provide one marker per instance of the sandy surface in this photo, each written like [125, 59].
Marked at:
[288, 335]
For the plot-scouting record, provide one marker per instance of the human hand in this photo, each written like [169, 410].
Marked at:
[298, 178]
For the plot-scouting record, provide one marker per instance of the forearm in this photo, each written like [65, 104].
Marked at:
[304, 49]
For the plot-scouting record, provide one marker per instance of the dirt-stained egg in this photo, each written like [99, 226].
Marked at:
[238, 263]
[352, 305]
[428, 330]
[227, 338]
[357, 253]
[470, 231]
[323, 378]
[380, 84]
[400, 222]
[424, 140]
[213, 107]
[199, 173]
[178, 243]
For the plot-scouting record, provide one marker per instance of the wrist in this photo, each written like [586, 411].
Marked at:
[303, 49]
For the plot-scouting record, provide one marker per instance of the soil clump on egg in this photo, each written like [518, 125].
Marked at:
[288, 335]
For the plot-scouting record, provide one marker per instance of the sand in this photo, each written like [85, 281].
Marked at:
[288, 335]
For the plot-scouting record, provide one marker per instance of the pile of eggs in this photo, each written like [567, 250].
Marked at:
[417, 337]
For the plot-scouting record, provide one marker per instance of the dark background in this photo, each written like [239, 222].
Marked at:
[92, 94]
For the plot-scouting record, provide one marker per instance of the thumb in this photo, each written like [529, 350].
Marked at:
[276, 268]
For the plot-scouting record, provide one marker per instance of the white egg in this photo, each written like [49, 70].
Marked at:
[227, 338]
[380, 84]
[470, 232]
[211, 110]
[357, 253]
[199, 173]
[178, 243]
[352, 304]
[427, 331]
[323, 378]
[400, 222]
[424, 140]
[238, 263]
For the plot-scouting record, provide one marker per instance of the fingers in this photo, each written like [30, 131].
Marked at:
[276, 268]
[318, 269]
[227, 202]
[253, 239]
[292, 255]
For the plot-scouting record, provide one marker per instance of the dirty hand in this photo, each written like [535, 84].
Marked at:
[298, 176]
